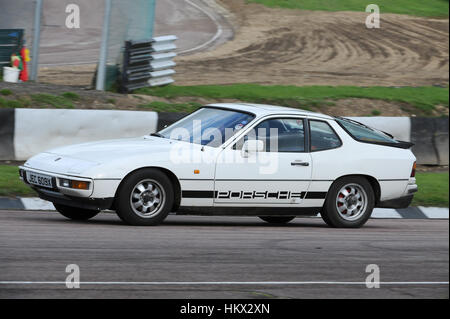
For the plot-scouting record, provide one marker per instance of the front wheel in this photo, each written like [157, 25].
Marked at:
[75, 213]
[277, 219]
[349, 203]
[145, 198]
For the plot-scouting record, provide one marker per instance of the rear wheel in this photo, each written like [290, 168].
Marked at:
[76, 213]
[277, 219]
[349, 203]
[145, 198]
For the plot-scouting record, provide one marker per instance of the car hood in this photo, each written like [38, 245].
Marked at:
[76, 159]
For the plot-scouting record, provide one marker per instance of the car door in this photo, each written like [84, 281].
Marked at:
[279, 175]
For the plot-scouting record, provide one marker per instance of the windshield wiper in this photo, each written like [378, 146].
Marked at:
[157, 135]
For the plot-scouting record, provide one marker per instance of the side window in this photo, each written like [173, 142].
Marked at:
[323, 136]
[279, 135]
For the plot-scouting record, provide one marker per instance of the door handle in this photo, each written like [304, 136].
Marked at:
[299, 163]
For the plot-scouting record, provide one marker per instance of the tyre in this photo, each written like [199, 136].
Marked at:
[145, 198]
[277, 219]
[349, 204]
[76, 213]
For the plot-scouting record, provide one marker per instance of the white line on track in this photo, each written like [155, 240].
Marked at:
[197, 48]
[46, 65]
[214, 38]
[224, 283]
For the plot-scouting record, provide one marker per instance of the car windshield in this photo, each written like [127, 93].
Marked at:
[364, 133]
[208, 126]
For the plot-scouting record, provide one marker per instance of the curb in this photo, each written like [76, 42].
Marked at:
[37, 204]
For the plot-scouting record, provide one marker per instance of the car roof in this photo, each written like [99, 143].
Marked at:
[265, 109]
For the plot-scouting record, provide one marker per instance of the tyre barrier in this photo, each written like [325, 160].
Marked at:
[26, 132]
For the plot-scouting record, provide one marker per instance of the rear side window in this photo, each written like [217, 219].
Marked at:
[323, 137]
[364, 133]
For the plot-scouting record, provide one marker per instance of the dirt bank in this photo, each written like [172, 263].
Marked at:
[281, 46]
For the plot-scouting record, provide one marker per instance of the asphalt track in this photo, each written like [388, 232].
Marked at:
[220, 257]
[196, 23]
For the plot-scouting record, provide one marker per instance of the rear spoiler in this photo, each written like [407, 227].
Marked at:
[403, 144]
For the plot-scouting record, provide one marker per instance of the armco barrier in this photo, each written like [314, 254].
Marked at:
[25, 132]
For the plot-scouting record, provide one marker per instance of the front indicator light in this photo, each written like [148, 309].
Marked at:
[67, 183]
[80, 185]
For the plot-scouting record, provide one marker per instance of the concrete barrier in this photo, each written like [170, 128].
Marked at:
[37, 130]
[430, 136]
[26, 132]
[6, 134]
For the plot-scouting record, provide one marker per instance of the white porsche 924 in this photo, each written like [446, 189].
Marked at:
[232, 159]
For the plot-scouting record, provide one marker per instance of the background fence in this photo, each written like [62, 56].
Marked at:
[60, 45]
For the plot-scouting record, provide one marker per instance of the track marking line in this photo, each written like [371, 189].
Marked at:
[224, 283]
[214, 38]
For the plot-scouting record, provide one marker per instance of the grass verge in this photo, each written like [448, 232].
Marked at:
[171, 107]
[433, 187]
[11, 185]
[423, 98]
[433, 190]
[428, 8]
[42, 100]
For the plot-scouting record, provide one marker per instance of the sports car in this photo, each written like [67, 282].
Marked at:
[272, 162]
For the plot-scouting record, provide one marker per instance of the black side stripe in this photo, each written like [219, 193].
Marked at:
[316, 195]
[198, 194]
[213, 194]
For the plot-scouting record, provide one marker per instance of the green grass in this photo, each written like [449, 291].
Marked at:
[433, 190]
[433, 187]
[14, 104]
[10, 184]
[427, 8]
[6, 92]
[423, 98]
[376, 112]
[50, 100]
[65, 100]
[70, 96]
[171, 107]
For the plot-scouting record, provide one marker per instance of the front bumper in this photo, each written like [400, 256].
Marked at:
[68, 196]
[78, 202]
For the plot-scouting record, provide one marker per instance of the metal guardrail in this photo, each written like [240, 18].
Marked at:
[148, 63]
[10, 41]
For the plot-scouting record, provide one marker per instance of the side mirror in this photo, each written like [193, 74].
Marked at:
[251, 147]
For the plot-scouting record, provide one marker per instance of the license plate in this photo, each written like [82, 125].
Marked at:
[39, 180]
